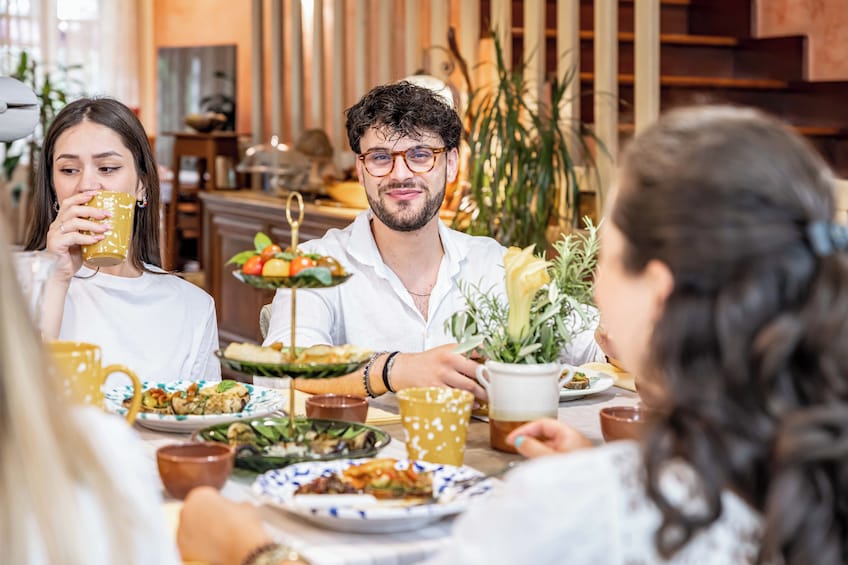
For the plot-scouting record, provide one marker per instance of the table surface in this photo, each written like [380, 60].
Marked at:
[322, 546]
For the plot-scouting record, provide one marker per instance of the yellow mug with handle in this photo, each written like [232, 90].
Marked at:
[83, 374]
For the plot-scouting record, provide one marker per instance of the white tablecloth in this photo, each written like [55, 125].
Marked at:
[326, 547]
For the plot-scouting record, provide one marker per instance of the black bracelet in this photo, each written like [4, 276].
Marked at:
[390, 360]
[366, 371]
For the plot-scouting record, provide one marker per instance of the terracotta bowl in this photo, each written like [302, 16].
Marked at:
[344, 407]
[183, 466]
[623, 422]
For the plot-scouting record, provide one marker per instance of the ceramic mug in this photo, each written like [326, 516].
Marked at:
[83, 374]
[520, 393]
[435, 423]
[112, 249]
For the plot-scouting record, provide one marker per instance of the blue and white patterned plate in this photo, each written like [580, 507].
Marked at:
[278, 487]
[263, 401]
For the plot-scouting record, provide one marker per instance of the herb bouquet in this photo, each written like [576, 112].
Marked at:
[544, 303]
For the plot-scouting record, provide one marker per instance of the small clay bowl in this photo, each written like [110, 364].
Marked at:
[345, 407]
[183, 466]
[624, 422]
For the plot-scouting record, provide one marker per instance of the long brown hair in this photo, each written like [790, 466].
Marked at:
[120, 119]
[752, 344]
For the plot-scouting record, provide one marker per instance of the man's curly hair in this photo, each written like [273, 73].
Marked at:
[405, 110]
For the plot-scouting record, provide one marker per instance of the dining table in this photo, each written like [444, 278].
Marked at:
[320, 546]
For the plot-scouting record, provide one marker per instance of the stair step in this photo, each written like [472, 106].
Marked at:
[702, 82]
[665, 38]
[806, 131]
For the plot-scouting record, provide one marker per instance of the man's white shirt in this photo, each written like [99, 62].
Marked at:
[374, 310]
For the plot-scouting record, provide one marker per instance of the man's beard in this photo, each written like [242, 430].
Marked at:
[399, 221]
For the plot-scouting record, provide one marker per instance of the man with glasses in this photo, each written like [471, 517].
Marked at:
[406, 262]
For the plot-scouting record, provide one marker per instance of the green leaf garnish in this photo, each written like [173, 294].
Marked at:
[240, 258]
[321, 274]
[224, 386]
[261, 241]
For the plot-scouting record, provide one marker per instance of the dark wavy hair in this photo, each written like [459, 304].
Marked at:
[120, 119]
[405, 110]
[752, 345]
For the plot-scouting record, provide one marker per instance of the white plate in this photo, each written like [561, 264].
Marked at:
[278, 487]
[263, 401]
[598, 382]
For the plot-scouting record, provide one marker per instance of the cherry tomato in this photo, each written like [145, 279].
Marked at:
[253, 266]
[275, 268]
[299, 263]
[270, 251]
[335, 267]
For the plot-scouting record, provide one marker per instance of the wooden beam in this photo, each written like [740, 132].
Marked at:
[606, 93]
[646, 62]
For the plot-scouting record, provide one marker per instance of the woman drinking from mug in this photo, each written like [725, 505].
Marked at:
[156, 323]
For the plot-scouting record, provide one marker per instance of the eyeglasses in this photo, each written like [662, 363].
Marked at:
[419, 160]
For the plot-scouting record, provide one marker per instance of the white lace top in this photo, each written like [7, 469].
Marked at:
[590, 507]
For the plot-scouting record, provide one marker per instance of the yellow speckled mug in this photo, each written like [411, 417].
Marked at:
[435, 422]
[83, 374]
[112, 249]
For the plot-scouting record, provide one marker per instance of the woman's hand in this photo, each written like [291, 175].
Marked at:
[439, 366]
[216, 530]
[546, 437]
[64, 237]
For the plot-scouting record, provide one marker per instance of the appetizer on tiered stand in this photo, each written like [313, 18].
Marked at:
[271, 267]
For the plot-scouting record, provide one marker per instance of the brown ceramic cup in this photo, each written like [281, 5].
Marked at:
[183, 466]
[345, 407]
[624, 422]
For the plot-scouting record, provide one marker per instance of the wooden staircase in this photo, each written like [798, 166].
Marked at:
[707, 55]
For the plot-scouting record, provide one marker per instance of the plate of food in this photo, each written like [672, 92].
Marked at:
[585, 382]
[186, 406]
[269, 267]
[376, 495]
[315, 362]
[261, 444]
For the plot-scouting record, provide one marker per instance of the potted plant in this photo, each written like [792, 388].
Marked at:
[522, 336]
[521, 166]
[52, 97]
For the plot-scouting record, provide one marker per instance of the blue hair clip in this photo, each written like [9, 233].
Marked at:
[827, 238]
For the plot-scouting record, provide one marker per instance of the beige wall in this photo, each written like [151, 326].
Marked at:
[183, 23]
[825, 22]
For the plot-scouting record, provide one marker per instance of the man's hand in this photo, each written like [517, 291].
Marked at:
[546, 437]
[439, 366]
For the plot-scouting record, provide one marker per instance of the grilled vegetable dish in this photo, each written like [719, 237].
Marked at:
[381, 478]
[579, 382]
[225, 397]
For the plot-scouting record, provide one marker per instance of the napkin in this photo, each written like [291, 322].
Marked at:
[622, 379]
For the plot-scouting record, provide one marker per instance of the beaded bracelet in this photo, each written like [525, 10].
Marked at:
[271, 554]
[390, 360]
[365, 372]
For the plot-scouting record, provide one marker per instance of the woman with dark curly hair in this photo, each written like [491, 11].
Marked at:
[724, 282]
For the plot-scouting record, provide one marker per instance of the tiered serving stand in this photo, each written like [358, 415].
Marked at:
[292, 370]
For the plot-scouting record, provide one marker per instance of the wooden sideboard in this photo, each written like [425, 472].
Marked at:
[230, 221]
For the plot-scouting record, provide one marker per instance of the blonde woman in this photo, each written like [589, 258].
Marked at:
[75, 487]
